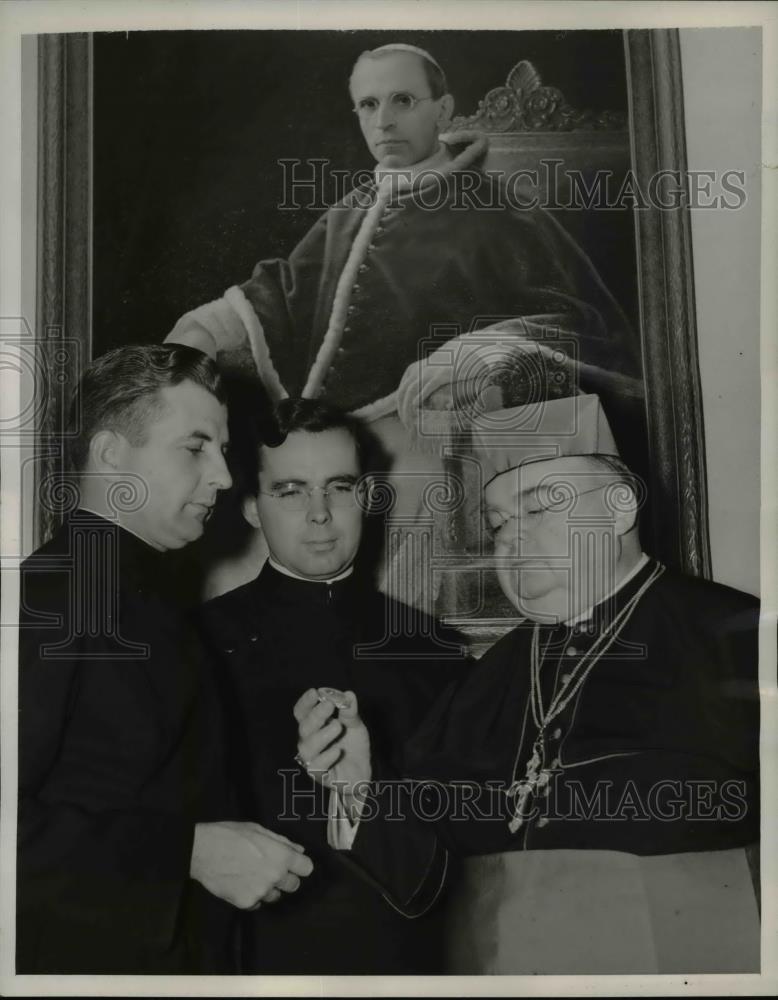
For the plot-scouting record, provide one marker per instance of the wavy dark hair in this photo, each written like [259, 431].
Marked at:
[120, 392]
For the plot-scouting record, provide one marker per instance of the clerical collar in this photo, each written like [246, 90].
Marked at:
[586, 615]
[296, 576]
[406, 175]
[592, 611]
[276, 585]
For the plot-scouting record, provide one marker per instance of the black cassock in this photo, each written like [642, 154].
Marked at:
[120, 754]
[278, 636]
[651, 768]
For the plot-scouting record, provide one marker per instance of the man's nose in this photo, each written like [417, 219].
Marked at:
[385, 116]
[318, 507]
[506, 545]
[511, 540]
[220, 474]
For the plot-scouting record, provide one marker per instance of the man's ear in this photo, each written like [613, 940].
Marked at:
[625, 505]
[105, 451]
[446, 111]
[251, 511]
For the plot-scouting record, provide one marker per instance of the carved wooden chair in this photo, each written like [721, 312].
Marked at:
[542, 148]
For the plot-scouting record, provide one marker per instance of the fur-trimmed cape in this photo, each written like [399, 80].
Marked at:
[399, 267]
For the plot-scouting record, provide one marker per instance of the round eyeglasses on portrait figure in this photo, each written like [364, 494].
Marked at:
[400, 103]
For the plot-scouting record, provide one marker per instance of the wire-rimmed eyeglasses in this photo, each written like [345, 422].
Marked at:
[400, 103]
[531, 514]
[297, 496]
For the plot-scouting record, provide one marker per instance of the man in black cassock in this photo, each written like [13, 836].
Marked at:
[312, 618]
[124, 800]
[599, 766]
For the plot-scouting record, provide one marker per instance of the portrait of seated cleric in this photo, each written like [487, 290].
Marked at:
[431, 242]
[130, 857]
[312, 618]
[598, 767]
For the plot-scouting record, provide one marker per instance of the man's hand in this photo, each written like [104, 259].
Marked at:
[334, 748]
[245, 864]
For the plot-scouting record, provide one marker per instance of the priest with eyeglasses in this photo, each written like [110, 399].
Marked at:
[312, 619]
[599, 765]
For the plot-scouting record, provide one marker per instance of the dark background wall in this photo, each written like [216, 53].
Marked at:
[189, 128]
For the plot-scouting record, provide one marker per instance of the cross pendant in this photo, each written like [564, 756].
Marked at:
[525, 788]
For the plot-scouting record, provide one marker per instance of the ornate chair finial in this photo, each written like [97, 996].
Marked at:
[523, 104]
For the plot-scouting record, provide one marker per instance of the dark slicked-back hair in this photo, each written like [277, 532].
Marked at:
[436, 78]
[270, 428]
[120, 392]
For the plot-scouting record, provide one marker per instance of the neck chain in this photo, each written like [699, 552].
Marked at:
[537, 778]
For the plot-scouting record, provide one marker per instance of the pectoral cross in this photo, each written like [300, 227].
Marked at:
[536, 778]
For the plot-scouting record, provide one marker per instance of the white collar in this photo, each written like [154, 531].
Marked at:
[306, 579]
[587, 614]
[442, 161]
